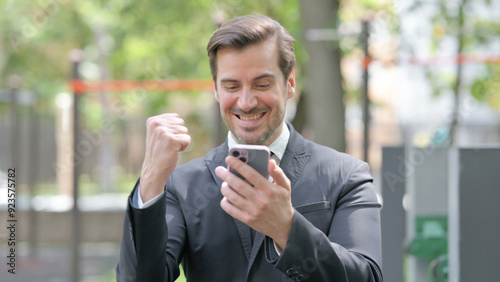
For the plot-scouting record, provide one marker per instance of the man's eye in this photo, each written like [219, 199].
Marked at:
[230, 88]
[263, 85]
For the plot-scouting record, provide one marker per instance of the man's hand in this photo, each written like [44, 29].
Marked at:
[266, 207]
[166, 137]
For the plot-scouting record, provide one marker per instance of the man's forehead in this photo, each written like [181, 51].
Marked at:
[254, 62]
[228, 78]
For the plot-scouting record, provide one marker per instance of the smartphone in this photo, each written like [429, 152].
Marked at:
[256, 156]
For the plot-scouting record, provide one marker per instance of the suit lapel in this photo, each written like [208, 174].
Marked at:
[213, 160]
[295, 157]
[257, 244]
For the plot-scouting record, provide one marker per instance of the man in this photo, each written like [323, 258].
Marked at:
[317, 220]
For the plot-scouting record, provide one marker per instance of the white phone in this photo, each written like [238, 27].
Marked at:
[256, 156]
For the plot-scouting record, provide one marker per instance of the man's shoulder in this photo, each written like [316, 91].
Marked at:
[299, 144]
[327, 155]
[194, 164]
[200, 164]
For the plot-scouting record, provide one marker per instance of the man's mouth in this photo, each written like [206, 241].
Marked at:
[252, 117]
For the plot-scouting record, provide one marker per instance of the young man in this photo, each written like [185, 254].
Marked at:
[318, 220]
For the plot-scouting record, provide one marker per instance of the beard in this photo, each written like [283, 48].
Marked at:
[251, 135]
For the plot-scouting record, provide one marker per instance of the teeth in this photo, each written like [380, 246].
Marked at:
[255, 117]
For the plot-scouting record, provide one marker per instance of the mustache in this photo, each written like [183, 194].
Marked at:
[253, 111]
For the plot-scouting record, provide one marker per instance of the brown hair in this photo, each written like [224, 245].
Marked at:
[243, 31]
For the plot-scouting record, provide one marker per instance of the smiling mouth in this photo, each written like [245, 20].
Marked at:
[252, 117]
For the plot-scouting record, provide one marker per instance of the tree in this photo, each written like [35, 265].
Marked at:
[325, 96]
[126, 40]
[473, 31]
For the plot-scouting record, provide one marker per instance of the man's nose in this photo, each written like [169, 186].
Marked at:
[247, 100]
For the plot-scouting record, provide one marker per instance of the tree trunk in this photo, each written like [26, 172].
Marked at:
[325, 105]
[458, 81]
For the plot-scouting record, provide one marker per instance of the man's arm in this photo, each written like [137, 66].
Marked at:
[142, 250]
[145, 254]
[166, 136]
[351, 251]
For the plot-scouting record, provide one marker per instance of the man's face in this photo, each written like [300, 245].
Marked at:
[252, 92]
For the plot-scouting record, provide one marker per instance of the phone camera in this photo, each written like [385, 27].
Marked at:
[236, 154]
[243, 159]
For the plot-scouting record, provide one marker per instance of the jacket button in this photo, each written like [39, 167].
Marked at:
[289, 272]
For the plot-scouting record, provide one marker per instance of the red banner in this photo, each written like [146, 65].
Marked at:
[80, 86]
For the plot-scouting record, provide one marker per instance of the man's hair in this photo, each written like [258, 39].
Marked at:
[244, 31]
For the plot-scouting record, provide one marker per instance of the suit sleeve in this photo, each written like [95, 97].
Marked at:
[350, 251]
[152, 241]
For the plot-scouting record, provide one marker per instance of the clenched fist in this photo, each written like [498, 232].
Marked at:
[166, 136]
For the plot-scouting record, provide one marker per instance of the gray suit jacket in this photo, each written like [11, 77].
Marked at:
[335, 234]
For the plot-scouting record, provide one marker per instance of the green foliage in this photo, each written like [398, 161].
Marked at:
[485, 88]
[475, 32]
[134, 39]
[123, 40]
[381, 15]
[441, 82]
[485, 32]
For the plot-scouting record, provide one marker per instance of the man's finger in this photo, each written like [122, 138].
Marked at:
[168, 115]
[184, 141]
[236, 183]
[278, 175]
[164, 119]
[251, 175]
[177, 129]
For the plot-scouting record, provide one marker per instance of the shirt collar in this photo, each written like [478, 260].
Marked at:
[278, 147]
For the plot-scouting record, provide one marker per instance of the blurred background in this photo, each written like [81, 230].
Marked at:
[400, 84]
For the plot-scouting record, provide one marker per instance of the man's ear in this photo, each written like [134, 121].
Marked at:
[291, 84]
[216, 95]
